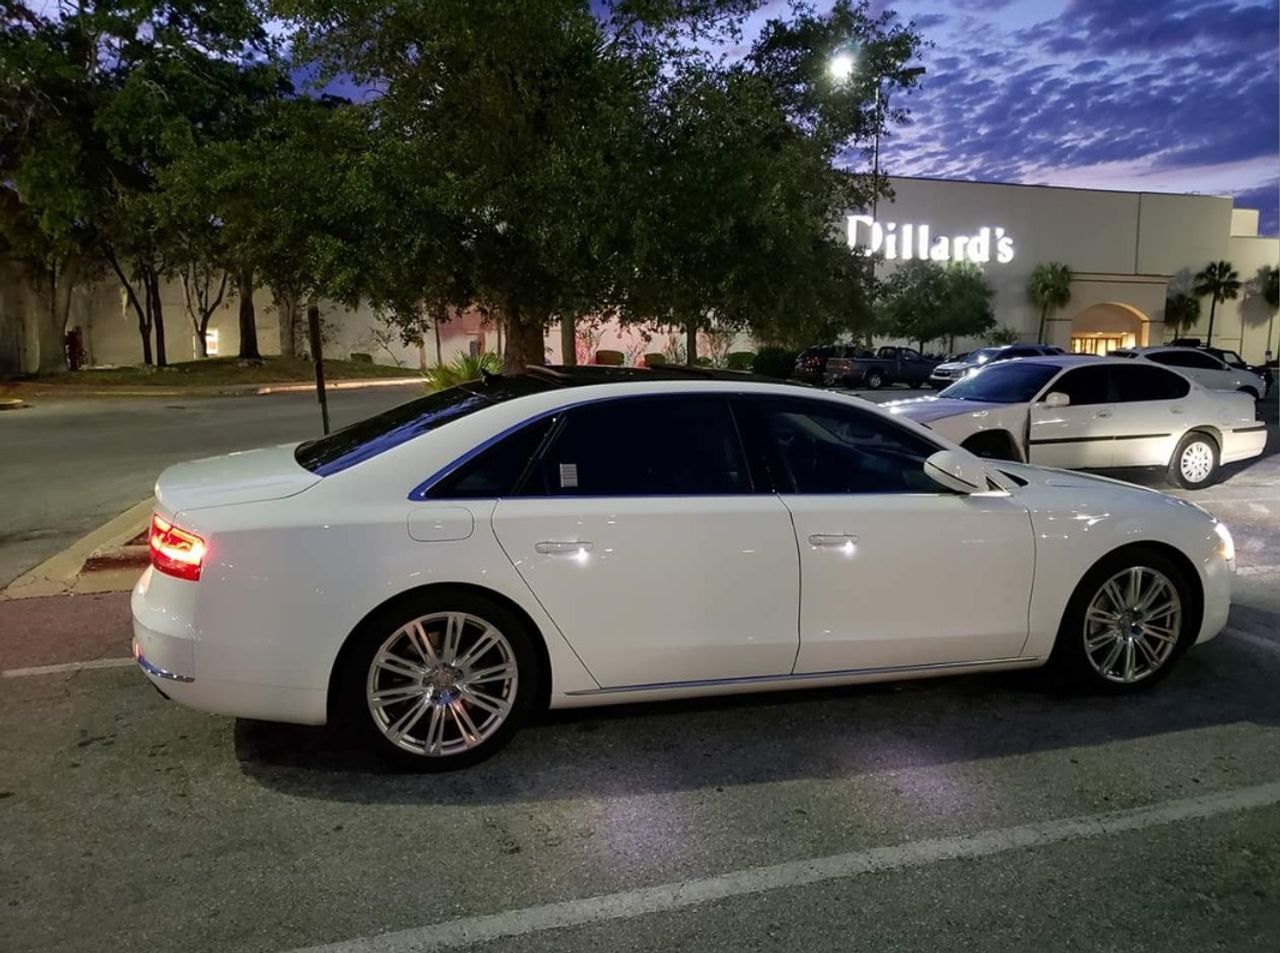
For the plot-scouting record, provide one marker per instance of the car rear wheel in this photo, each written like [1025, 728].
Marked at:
[1126, 624]
[442, 684]
[1195, 461]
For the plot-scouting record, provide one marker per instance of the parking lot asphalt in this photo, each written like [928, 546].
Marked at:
[984, 813]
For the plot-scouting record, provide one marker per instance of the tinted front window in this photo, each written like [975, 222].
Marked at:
[1084, 385]
[1013, 383]
[659, 446]
[825, 448]
[367, 438]
[497, 470]
[1139, 382]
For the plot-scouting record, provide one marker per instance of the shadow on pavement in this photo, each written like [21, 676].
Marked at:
[755, 739]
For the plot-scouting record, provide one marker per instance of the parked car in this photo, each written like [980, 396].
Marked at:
[1232, 359]
[946, 374]
[889, 365]
[433, 576]
[811, 364]
[1078, 411]
[1201, 367]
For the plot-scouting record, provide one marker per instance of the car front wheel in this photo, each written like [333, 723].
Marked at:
[874, 380]
[1195, 461]
[1126, 624]
[440, 685]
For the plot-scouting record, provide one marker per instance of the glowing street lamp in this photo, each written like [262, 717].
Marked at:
[841, 67]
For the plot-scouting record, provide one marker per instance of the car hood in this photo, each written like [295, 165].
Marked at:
[1070, 479]
[249, 476]
[925, 409]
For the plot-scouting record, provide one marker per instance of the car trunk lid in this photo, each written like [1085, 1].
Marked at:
[250, 476]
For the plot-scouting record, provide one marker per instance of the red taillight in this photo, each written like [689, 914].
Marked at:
[175, 551]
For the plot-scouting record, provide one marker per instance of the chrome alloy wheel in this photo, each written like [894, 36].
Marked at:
[1196, 462]
[1132, 624]
[442, 684]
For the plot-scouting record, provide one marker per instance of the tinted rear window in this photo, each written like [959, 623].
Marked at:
[370, 437]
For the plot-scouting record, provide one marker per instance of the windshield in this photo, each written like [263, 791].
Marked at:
[1006, 382]
[370, 437]
[982, 355]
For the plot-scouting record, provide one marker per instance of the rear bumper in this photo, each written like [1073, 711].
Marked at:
[189, 670]
[1243, 443]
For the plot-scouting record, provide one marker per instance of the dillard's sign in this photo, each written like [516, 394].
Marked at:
[914, 241]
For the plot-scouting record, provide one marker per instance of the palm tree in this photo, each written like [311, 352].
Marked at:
[1049, 287]
[1269, 279]
[1221, 281]
[1182, 310]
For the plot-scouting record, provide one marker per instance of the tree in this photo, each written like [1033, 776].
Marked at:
[914, 302]
[102, 91]
[1221, 282]
[1049, 288]
[1182, 311]
[1269, 283]
[967, 311]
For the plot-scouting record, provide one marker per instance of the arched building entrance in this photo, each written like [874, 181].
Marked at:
[1104, 327]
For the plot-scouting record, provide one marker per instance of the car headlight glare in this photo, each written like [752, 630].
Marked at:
[1226, 545]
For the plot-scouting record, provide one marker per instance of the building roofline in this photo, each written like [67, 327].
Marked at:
[1062, 188]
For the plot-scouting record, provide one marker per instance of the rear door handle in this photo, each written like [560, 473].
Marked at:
[1176, 410]
[560, 547]
[832, 540]
[1102, 414]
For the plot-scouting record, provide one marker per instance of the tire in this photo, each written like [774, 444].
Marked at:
[1194, 464]
[1095, 655]
[874, 380]
[995, 445]
[444, 719]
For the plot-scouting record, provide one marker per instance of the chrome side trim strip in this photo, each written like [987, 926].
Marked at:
[805, 676]
[152, 669]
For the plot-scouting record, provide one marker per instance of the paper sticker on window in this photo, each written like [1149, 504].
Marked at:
[568, 476]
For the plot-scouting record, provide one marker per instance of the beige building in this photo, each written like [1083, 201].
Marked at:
[1127, 251]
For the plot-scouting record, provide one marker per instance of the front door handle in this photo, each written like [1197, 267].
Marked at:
[832, 540]
[560, 547]
[1176, 409]
[1102, 414]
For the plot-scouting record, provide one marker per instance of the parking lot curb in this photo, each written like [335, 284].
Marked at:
[61, 574]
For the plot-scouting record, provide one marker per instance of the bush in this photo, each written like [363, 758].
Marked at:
[705, 362]
[740, 360]
[655, 359]
[359, 358]
[774, 362]
[612, 358]
[464, 367]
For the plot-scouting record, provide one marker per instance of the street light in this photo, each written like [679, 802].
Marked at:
[841, 67]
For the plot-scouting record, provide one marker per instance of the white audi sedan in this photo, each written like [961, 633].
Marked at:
[433, 576]
[1083, 412]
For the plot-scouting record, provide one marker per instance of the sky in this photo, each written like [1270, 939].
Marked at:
[1152, 95]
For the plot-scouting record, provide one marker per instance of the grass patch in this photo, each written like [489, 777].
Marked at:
[223, 371]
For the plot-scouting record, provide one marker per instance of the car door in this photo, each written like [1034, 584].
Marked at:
[1079, 435]
[1148, 413]
[639, 530]
[895, 571]
[912, 367]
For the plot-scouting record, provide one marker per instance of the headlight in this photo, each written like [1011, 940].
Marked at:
[1226, 545]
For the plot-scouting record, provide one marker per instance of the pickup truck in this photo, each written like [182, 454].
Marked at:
[889, 365]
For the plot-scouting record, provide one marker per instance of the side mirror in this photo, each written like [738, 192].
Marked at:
[956, 471]
[1057, 399]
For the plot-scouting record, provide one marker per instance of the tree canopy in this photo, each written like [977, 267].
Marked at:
[538, 160]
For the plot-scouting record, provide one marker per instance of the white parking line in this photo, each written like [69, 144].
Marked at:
[687, 893]
[67, 667]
